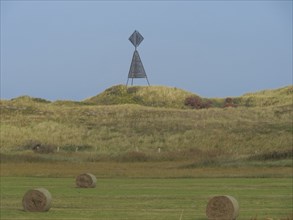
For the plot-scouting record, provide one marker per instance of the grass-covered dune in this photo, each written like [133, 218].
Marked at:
[108, 126]
[276, 97]
[155, 96]
[161, 96]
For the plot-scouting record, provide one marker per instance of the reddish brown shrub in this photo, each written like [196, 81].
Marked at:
[197, 103]
[229, 103]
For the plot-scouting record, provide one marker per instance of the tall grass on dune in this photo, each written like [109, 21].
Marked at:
[120, 128]
[281, 96]
[162, 96]
[155, 96]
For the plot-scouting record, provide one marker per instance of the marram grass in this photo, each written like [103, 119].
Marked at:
[120, 128]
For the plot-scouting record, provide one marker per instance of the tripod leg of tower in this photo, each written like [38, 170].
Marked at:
[148, 81]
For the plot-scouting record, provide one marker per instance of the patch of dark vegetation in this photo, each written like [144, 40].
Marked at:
[38, 147]
[229, 102]
[273, 155]
[196, 102]
[44, 149]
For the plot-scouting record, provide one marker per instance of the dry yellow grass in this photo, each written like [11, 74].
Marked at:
[114, 130]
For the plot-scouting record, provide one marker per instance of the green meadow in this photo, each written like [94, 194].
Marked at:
[149, 198]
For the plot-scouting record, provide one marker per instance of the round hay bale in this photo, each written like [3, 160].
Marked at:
[222, 208]
[37, 200]
[86, 180]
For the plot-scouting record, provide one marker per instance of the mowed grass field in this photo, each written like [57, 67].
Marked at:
[146, 190]
[149, 198]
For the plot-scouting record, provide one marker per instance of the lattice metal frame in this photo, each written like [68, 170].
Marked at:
[136, 69]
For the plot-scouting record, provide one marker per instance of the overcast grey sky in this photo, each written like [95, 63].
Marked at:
[77, 49]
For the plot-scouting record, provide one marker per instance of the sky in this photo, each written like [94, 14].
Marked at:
[72, 50]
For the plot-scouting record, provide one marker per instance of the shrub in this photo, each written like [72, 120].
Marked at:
[273, 155]
[229, 102]
[38, 147]
[197, 103]
[30, 144]
[44, 149]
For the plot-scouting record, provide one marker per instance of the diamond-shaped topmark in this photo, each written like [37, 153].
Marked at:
[136, 38]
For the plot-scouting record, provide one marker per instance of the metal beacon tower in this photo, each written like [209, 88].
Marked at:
[136, 68]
